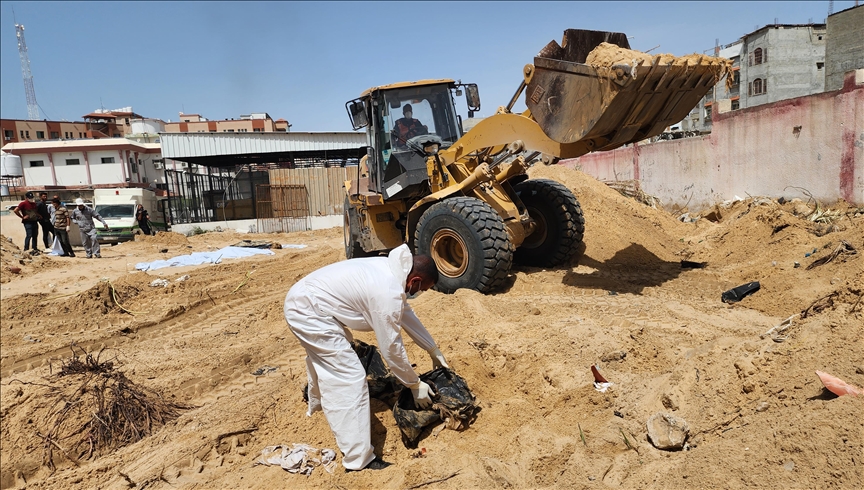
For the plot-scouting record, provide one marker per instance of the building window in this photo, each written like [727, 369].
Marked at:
[820, 65]
[257, 130]
[8, 134]
[72, 161]
[758, 87]
[127, 121]
[736, 105]
[40, 135]
[80, 135]
[757, 56]
[55, 135]
[708, 113]
[27, 134]
[37, 163]
[133, 167]
[107, 159]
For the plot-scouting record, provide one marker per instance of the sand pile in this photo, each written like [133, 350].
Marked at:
[607, 55]
[757, 414]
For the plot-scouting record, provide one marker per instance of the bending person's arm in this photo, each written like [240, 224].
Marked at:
[386, 322]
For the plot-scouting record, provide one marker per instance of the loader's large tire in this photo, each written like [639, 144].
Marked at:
[351, 232]
[468, 242]
[560, 224]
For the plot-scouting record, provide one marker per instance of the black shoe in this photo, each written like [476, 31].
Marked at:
[375, 464]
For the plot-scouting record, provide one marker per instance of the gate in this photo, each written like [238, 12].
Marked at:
[282, 208]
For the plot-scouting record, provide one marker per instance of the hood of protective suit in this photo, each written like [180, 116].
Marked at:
[401, 261]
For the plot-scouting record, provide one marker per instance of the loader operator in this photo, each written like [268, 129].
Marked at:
[362, 294]
[407, 127]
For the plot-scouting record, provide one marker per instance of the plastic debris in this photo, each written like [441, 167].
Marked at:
[182, 278]
[600, 383]
[735, 295]
[838, 386]
[157, 283]
[261, 371]
[293, 245]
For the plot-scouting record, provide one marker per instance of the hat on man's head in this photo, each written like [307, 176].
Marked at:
[406, 108]
[29, 195]
[79, 202]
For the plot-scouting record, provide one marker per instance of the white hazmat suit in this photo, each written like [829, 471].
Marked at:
[360, 294]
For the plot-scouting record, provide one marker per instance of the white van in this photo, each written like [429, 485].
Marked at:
[117, 207]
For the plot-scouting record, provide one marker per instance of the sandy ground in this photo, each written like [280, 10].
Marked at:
[758, 415]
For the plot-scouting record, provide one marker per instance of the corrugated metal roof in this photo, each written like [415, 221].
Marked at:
[188, 145]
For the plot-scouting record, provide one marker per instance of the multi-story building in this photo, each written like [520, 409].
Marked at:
[776, 62]
[88, 163]
[110, 124]
[97, 124]
[247, 123]
[782, 62]
[844, 51]
[18, 130]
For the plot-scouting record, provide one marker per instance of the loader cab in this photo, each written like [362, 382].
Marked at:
[404, 122]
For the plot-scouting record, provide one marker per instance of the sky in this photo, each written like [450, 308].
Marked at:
[303, 61]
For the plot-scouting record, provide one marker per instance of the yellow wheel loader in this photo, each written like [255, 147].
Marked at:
[465, 199]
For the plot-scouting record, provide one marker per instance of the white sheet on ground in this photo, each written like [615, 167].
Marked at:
[199, 258]
[300, 458]
[294, 245]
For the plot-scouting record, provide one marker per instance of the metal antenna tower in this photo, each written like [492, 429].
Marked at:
[32, 106]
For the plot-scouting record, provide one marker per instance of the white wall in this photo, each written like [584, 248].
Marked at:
[36, 176]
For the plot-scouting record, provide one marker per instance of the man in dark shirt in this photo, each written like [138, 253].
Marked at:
[407, 127]
[45, 210]
[28, 211]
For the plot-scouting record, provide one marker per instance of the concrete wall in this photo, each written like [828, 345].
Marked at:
[814, 142]
[248, 225]
[844, 51]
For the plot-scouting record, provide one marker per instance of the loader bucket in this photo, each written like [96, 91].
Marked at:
[593, 89]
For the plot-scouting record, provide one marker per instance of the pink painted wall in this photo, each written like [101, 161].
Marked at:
[814, 142]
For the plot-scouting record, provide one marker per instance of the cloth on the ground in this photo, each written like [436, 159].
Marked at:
[293, 245]
[299, 458]
[199, 258]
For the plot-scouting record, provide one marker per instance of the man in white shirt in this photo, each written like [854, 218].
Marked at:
[367, 294]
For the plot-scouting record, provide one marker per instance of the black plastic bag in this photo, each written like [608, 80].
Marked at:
[735, 295]
[382, 384]
[453, 403]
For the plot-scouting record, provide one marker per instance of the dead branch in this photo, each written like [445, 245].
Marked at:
[437, 480]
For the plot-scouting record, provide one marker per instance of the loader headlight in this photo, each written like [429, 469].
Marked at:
[431, 149]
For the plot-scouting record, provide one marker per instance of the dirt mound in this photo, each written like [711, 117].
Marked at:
[165, 238]
[617, 226]
[14, 261]
[741, 375]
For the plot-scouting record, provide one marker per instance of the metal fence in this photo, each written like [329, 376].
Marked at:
[282, 208]
[257, 192]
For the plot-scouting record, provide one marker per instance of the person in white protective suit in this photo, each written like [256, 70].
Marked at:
[361, 294]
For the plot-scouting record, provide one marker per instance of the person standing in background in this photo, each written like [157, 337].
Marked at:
[62, 223]
[143, 220]
[46, 211]
[83, 217]
[28, 211]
